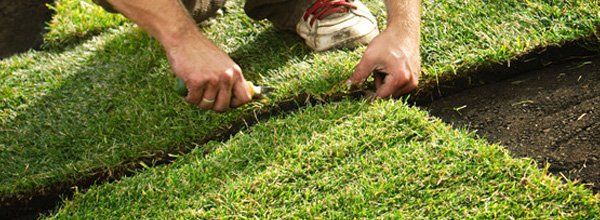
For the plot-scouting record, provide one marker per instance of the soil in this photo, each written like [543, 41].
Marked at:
[551, 115]
[22, 24]
[45, 200]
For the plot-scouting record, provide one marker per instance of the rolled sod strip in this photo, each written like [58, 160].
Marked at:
[343, 160]
[70, 113]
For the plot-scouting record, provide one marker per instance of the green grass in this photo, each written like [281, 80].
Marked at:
[344, 160]
[66, 114]
[77, 20]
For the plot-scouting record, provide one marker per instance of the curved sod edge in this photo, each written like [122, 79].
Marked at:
[322, 97]
[50, 197]
[349, 159]
[489, 72]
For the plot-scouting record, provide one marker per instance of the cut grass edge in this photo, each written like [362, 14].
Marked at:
[494, 34]
[51, 197]
[501, 48]
[360, 160]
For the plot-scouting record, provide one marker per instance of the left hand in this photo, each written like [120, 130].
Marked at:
[397, 57]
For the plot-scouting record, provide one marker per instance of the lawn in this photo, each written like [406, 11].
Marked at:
[344, 160]
[100, 95]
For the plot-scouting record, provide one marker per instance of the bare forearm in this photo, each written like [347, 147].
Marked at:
[165, 20]
[404, 18]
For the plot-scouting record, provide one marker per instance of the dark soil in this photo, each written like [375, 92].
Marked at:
[22, 25]
[31, 205]
[551, 115]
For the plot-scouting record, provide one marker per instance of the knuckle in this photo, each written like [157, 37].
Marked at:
[237, 68]
[194, 82]
[226, 77]
[212, 81]
[237, 72]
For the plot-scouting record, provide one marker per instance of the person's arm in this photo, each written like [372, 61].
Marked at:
[395, 52]
[214, 81]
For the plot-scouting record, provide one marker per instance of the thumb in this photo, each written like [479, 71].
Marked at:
[241, 91]
[362, 71]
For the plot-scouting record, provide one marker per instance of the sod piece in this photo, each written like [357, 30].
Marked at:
[88, 108]
[76, 20]
[343, 160]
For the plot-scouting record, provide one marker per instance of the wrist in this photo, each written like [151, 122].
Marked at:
[403, 38]
[178, 35]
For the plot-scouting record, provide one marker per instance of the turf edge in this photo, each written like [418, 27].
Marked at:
[48, 198]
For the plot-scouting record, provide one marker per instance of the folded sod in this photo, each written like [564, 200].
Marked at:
[68, 113]
[343, 160]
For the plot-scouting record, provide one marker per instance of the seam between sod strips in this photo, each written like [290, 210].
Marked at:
[48, 198]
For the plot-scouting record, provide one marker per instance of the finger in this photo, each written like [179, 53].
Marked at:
[407, 88]
[224, 98]
[398, 76]
[388, 88]
[362, 71]
[195, 93]
[401, 91]
[391, 84]
[209, 98]
[241, 94]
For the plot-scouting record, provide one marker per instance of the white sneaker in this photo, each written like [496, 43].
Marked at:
[331, 24]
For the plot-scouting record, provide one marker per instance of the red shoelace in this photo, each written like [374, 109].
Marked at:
[323, 8]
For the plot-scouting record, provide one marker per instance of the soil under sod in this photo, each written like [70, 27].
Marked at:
[551, 115]
[31, 205]
[22, 25]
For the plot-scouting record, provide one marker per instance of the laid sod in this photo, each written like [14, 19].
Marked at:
[77, 20]
[86, 108]
[343, 160]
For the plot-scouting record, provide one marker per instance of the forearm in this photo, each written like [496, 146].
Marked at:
[165, 20]
[213, 80]
[404, 18]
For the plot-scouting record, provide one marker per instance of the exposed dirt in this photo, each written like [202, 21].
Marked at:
[22, 24]
[31, 205]
[551, 115]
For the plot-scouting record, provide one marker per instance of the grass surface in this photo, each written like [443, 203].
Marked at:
[77, 20]
[66, 114]
[343, 160]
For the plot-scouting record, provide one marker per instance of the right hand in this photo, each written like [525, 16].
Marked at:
[214, 81]
[397, 57]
